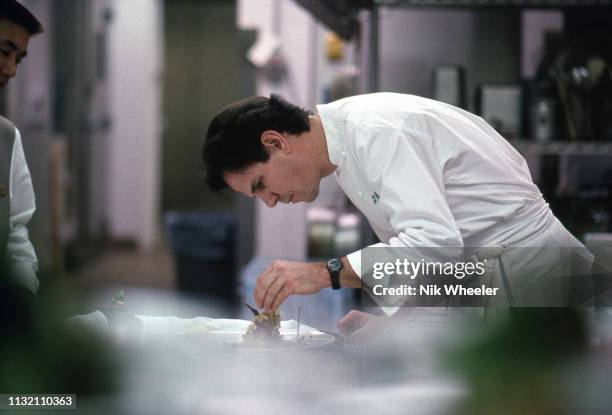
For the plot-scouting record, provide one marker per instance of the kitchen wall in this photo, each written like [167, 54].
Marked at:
[135, 79]
[202, 51]
[295, 32]
[206, 69]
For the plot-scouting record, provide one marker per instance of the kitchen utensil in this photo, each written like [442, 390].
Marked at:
[253, 310]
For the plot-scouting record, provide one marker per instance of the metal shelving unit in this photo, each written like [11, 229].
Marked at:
[492, 3]
[562, 148]
[373, 21]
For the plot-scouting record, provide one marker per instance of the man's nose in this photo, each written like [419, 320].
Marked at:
[9, 67]
[270, 199]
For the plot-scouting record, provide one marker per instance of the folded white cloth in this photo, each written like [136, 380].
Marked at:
[170, 325]
[96, 320]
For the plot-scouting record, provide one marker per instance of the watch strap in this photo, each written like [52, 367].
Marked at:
[333, 267]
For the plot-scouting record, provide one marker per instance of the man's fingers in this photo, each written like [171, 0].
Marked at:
[262, 285]
[352, 321]
[272, 292]
[351, 315]
[258, 295]
[346, 325]
[266, 279]
[282, 296]
[282, 279]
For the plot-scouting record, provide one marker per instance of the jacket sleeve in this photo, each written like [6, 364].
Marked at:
[21, 257]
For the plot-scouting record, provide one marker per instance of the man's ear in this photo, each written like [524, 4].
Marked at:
[273, 140]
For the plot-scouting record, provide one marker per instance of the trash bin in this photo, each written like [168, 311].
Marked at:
[204, 248]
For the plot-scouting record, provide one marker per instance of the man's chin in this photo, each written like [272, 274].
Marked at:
[311, 196]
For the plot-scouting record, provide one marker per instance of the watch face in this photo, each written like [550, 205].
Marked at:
[334, 265]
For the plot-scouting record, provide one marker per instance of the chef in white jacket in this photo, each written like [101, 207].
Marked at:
[424, 173]
[18, 261]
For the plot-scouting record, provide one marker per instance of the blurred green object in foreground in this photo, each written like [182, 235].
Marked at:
[41, 353]
[514, 364]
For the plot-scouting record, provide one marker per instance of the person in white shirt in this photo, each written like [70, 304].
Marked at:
[424, 173]
[18, 261]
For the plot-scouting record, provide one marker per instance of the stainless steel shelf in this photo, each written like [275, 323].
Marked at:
[493, 3]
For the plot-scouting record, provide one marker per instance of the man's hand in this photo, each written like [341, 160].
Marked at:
[353, 321]
[362, 326]
[285, 278]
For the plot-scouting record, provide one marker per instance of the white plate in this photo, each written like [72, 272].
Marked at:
[289, 342]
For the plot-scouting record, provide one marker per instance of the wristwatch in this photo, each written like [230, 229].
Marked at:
[334, 266]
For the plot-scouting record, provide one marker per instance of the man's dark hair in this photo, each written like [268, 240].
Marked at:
[14, 12]
[233, 140]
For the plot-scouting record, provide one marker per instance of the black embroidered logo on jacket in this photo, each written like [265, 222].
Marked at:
[375, 197]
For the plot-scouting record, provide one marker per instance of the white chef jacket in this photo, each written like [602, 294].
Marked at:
[20, 255]
[427, 174]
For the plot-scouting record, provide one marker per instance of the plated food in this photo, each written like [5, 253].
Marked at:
[266, 332]
[264, 329]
